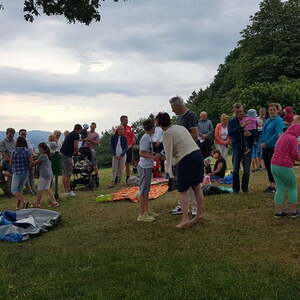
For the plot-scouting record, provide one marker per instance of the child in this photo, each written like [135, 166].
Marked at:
[296, 119]
[20, 161]
[52, 143]
[220, 166]
[84, 134]
[145, 166]
[249, 123]
[288, 116]
[284, 157]
[46, 176]
[119, 147]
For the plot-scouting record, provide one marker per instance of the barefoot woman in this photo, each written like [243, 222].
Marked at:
[182, 152]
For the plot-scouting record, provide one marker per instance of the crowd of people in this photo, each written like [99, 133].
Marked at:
[268, 140]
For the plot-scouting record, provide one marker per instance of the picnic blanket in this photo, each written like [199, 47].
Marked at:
[20, 225]
[131, 193]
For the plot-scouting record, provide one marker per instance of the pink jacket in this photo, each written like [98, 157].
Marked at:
[218, 139]
[286, 148]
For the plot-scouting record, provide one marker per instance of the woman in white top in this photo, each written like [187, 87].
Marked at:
[222, 139]
[183, 153]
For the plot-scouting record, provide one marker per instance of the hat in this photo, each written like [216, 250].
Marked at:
[252, 113]
[85, 126]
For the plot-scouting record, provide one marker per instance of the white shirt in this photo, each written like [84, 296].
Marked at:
[224, 133]
[119, 147]
[158, 134]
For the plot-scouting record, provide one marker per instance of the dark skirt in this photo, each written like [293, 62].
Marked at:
[190, 171]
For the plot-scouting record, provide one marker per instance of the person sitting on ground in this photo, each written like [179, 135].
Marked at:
[20, 161]
[145, 166]
[296, 119]
[119, 147]
[46, 176]
[285, 155]
[69, 148]
[182, 151]
[288, 116]
[222, 139]
[220, 166]
[249, 124]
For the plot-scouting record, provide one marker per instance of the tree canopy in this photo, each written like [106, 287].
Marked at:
[81, 11]
[264, 67]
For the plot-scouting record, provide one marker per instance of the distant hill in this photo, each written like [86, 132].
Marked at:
[35, 136]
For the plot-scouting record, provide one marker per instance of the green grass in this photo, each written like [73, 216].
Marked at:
[99, 251]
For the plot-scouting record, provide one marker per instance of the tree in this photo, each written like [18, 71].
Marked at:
[81, 11]
[264, 67]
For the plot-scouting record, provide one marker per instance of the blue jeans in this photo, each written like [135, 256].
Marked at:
[238, 156]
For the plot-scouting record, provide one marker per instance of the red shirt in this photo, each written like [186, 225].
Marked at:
[129, 135]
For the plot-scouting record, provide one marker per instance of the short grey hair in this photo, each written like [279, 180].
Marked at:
[177, 101]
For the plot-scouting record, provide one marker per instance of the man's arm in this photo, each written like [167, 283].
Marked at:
[76, 148]
[194, 133]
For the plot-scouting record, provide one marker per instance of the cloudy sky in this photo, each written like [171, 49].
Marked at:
[54, 74]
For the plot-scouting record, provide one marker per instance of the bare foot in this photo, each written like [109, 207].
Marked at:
[183, 224]
[198, 220]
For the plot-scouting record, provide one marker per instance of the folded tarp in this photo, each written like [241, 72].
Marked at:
[20, 225]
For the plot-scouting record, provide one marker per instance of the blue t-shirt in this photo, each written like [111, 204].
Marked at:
[146, 144]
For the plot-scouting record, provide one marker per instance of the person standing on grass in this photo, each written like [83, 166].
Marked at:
[69, 148]
[129, 134]
[236, 132]
[222, 139]
[46, 176]
[7, 146]
[285, 155]
[57, 135]
[30, 184]
[182, 152]
[20, 161]
[119, 147]
[189, 120]
[145, 167]
[93, 141]
[272, 130]
[206, 130]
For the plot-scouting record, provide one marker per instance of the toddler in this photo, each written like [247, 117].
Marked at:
[249, 123]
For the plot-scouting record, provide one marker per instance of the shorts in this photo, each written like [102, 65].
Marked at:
[145, 175]
[18, 182]
[93, 157]
[129, 156]
[67, 165]
[190, 171]
[255, 151]
[44, 183]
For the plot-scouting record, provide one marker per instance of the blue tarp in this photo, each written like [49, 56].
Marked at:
[20, 225]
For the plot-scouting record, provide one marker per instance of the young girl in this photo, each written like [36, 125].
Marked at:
[119, 148]
[285, 155]
[46, 176]
[20, 161]
[220, 166]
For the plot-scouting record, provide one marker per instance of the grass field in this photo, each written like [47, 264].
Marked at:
[99, 251]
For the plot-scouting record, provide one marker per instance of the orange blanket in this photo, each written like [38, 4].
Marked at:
[131, 193]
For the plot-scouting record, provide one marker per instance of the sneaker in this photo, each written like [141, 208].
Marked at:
[280, 215]
[176, 211]
[153, 214]
[270, 190]
[294, 214]
[72, 194]
[145, 218]
[194, 212]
